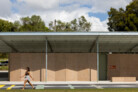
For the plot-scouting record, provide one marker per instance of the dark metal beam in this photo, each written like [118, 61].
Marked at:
[9, 45]
[93, 44]
[49, 45]
[129, 50]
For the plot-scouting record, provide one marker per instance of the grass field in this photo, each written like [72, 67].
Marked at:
[77, 90]
[3, 67]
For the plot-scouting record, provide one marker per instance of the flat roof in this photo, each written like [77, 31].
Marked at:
[68, 42]
[66, 33]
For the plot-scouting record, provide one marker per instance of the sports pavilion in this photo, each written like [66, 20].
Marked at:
[79, 56]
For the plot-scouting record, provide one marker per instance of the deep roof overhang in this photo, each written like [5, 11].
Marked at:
[68, 42]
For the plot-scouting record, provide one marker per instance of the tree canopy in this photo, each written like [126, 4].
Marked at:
[76, 25]
[6, 26]
[25, 24]
[124, 20]
[36, 24]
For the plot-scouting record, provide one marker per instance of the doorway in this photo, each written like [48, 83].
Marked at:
[102, 66]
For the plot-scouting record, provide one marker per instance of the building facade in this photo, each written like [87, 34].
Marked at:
[72, 56]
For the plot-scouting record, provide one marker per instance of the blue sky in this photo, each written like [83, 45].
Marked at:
[95, 11]
[13, 1]
[101, 16]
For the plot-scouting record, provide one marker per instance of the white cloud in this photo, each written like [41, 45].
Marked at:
[5, 7]
[40, 4]
[103, 6]
[65, 16]
[97, 6]
[99, 25]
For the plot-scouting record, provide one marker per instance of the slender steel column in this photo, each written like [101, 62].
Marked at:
[46, 59]
[97, 42]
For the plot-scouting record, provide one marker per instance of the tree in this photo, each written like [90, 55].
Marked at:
[34, 23]
[76, 25]
[84, 25]
[26, 24]
[124, 20]
[6, 26]
[17, 26]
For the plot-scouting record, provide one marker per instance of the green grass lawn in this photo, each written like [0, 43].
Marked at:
[3, 67]
[78, 90]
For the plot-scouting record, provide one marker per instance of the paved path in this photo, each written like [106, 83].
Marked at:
[70, 86]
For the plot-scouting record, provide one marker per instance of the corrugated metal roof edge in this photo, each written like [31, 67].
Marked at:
[66, 33]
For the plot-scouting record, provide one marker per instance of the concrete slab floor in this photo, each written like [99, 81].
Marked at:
[70, 82]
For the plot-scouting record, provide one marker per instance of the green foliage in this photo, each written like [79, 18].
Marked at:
[6, 26]
[26, 24]
[34, 23]
[124, 20]
[76, 25]
[3, 55]
[16, 26]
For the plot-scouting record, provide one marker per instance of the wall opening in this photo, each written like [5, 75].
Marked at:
[102, 66]
[4, 67]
